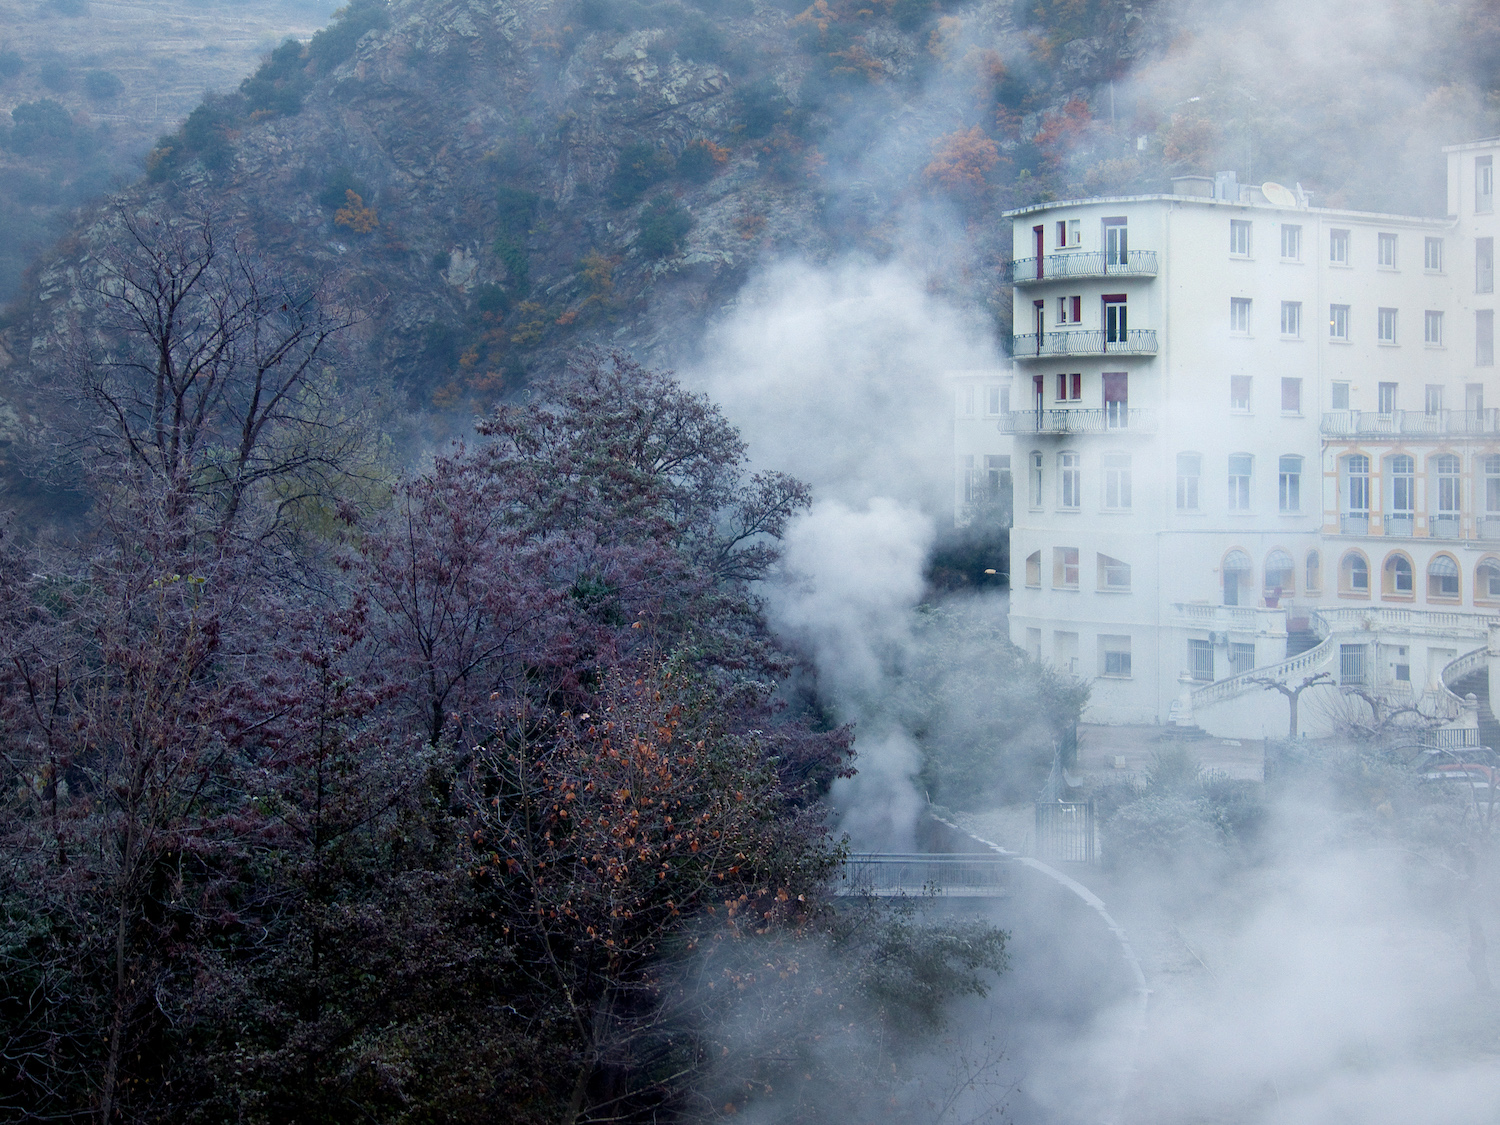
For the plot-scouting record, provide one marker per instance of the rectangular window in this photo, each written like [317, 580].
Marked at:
[1114, 656]
[1352, 664]
[968, 400]
[969, 478]
[1290, 485]
[1385, 251]
[1189, 469]
[1484, 265]
[1432, 328]
[1291, 396]
[1036, 480]
[1338, 322]
[1116, 243]
[1034, 643]
[1484, 184]
[1114, 320]
[1239, 394]
[997, 484]
[1241, 658]
[1357, 472]
[1386, 398]
[1069, 310]
[1070, 388]
[1201, 661]
[1113, 574]
[1338, 396]
[1492, 486]
[1484, 338]
[1069, 233]
[1239, 315]
[1432, 399]
[1065, 567]
[1239, 237]
[992, 400]
[1239, 481]
[1432, 255]
[1338, 247]
[1474, 398]
[1116, 399]
[1117, 481]
[1069, 480]
[1385, 326]
[1447, 468]
[1291, 318]
[1291, 243]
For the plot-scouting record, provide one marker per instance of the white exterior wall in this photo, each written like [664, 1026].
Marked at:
[1183, 395]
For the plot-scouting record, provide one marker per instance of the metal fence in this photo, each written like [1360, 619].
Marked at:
[1065, 831]
[895, 874]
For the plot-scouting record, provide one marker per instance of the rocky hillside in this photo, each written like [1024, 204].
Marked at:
[489, 185]
[86, 86]
[494, 183]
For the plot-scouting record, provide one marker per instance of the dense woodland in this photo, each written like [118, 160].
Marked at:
[469, 794]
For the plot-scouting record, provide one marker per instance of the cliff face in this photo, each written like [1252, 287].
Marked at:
[493, 184]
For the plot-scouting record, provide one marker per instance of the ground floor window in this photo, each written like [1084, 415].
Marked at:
[1114, 656]
[1241, 658]
[1352, 664]
[1201, 661]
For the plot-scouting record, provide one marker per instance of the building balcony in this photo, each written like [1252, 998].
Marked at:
[1080, 265]
[1117, 420]
[1082, 343]
[1411, 423]
[1444, 526]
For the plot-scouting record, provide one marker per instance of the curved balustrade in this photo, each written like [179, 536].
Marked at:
[1231, 686]
[1461, 669]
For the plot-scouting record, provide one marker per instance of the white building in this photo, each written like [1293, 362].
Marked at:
[1249, 437]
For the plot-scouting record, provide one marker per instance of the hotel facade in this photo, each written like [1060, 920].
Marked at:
[1246, 438]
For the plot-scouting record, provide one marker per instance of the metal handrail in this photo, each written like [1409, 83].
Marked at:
[1369, 423]
[1091, 420]
[1082, 342]
[1080, 264]
[917, 873]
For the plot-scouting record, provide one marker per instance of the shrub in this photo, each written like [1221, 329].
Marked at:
[517, 262]
[517, 209]
[700, 160]
[335, 192]
[1164, 831]
[41, 126]
[280, 83]
[355, 215]
[759, 107]
[664, 224]
[638, 167]
[102, 85]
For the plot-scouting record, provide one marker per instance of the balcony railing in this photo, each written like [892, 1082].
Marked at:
[1092, 421]
[1085, 342]
[1080, 264]
[1365, 423]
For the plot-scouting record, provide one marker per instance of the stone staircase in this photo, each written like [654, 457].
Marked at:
[1478, 685]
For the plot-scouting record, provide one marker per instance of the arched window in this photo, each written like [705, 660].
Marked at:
[1396, 577]
[1354, 574]
[1487, 580]
[1443, 578]
[1314, 572]
[1281, 574]
[1034, 568]
[1237, 577]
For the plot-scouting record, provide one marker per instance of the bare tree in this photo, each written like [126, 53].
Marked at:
[1293, 694]
[210, 377]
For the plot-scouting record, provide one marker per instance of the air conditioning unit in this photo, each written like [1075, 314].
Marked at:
[1221, 640]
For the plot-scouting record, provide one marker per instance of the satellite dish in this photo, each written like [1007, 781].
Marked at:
[1277, 195]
